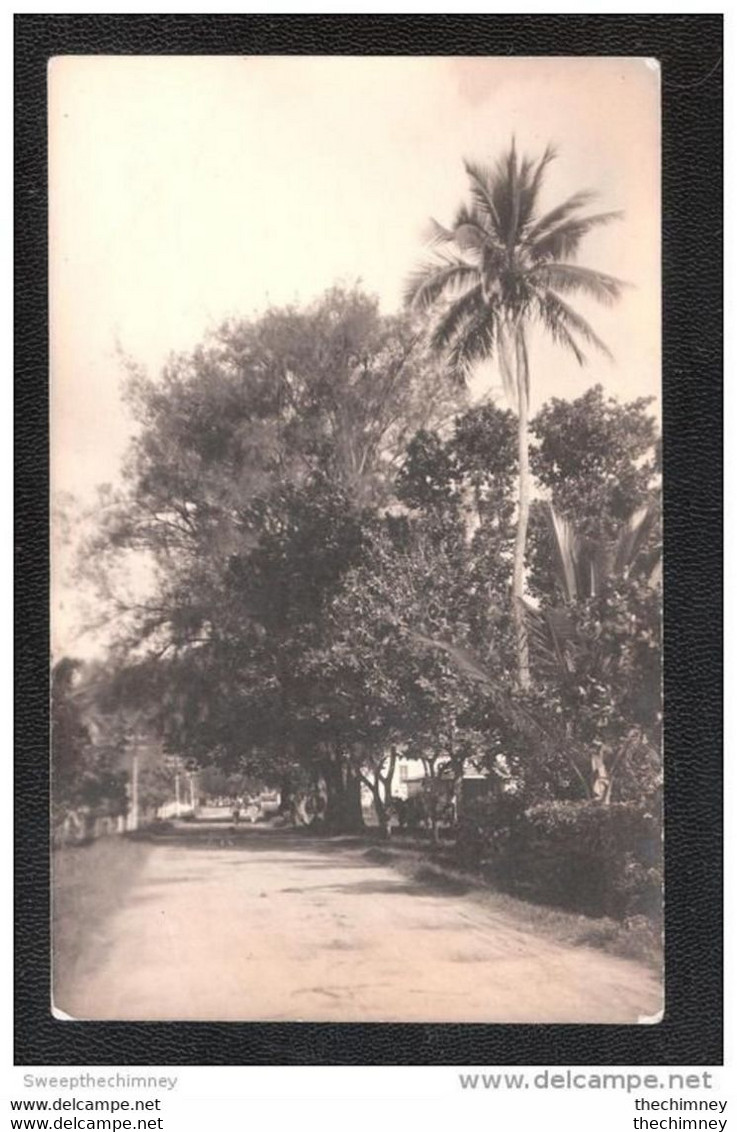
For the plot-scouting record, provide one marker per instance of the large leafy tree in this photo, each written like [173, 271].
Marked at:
[468, 477]
[382, 690]
[591, 724]
[595, 460]
[240, 688]
[331, 390]
[500, 268]
[255, 458]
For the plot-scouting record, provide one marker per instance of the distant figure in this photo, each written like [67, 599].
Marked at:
[236, 813]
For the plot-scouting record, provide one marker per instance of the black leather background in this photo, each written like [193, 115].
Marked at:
[690, 50]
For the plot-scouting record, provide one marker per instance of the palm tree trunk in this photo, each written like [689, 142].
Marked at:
[523, 510]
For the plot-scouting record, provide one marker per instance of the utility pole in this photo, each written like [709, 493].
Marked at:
[133, 816]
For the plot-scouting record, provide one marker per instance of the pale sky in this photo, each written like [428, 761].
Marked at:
[185, 190]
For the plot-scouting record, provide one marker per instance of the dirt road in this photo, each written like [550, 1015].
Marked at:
[256, 925]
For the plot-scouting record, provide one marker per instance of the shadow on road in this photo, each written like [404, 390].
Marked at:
[387, 888]
[310, 853]
[255, 838]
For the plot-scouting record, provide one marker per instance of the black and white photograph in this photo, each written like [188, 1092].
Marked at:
[355, 373]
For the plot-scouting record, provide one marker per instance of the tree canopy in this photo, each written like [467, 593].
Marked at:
[327, 528]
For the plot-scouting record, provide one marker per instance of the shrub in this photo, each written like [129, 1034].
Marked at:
[601, 860]
[604, 860]
[487, 830]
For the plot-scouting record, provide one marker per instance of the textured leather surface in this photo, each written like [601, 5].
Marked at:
[689, 48]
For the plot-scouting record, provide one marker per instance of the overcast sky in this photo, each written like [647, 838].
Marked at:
[186, 190]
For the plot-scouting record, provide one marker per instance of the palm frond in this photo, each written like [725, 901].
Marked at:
[468, 233]
[563, 337]
[534, 725]
[563, 240]
[504, 187]
[563, 633]
[633, 537]
[455, 317]
[566, 547]
[443, 277]
[482, 185]
[466, 661]
[521, 266]
[548, 635]
[529, 182]
[514, 181]
[571, 277]
[563, 322]
[493, 261]
[582, 566]
[472, 215]
[561, 212]
[469, 237]
[549, 155]
[472, 346]
[437, 233]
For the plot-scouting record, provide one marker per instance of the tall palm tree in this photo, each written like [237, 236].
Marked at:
[501, 268]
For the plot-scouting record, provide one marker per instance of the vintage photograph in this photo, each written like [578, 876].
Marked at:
[356, 709]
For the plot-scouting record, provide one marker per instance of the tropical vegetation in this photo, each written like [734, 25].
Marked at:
[504, 268]
[341, 560]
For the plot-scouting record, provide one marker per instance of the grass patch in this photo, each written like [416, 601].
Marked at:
[632, 939]
[88, 883]
[637, 938]
[441, 881]
[378, 856]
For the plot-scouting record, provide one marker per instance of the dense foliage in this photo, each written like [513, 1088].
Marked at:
[323, 538]
[85, 777]
[601, 860]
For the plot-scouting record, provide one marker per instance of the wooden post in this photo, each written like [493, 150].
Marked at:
[133, 816]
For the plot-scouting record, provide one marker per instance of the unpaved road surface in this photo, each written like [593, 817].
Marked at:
[257, 925]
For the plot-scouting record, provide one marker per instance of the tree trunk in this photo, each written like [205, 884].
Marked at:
[333, 813]
[432, 800]
[301, 813]
[382, 815]
[353, 809]
[382, 803]
[523, 510]
[343, 812]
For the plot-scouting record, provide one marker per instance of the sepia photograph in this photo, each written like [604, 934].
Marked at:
[356, 542]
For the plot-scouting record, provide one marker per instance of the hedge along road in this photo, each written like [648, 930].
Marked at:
[259, 925]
